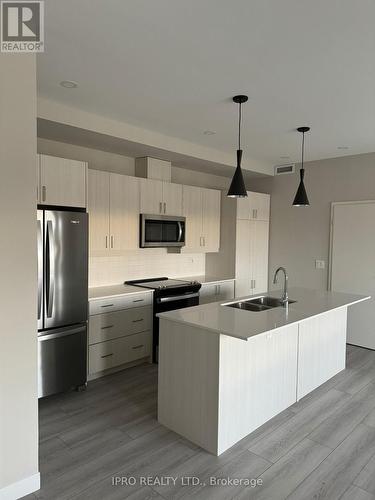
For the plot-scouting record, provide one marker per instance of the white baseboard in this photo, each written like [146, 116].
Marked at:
[21, 488]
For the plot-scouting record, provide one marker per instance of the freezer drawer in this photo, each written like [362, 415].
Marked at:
[62, 359]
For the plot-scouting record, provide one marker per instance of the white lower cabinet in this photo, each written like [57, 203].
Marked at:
[117, 352]
[214, 292]
[121, 335]
[109, 326]
[321, 349]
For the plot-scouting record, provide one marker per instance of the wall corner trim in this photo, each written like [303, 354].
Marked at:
[21, 488]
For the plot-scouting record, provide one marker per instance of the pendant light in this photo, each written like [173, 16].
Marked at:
[237, 187]
[301, 199]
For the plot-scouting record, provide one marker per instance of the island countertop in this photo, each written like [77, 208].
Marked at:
[242, 324]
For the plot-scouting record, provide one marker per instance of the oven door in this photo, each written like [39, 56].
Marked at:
[162, 231]
[164, 304]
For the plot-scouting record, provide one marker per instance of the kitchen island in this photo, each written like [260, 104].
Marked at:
[223, 371]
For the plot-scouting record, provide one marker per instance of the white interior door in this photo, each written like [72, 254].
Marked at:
[353, 265]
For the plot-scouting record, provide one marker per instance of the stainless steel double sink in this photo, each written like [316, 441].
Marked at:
[258, 304]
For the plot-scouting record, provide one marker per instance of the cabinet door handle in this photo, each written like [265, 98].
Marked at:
[107, 355]
[160, 207]
[108, 305]
[107, 327]
[112, 239]
[165, 207]
[256, 213]
[138, 346]
[44, 193]
[137, 320]
[138, 300]
[106, 241]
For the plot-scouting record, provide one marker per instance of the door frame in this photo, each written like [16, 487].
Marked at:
[331, 233]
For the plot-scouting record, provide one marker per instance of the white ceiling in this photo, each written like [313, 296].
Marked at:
[172, 66]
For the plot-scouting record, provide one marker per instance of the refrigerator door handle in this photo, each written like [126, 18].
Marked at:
[40, 268]
[60, 333]
[50, 269]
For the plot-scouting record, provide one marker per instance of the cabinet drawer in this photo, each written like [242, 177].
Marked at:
[100, 306]
[100, 357]
[119, 351]
[132, 348]
[103, 327]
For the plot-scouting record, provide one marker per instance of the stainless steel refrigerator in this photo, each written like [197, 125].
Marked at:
[62, 300]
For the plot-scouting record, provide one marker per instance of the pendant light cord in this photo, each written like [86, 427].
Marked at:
[239, 125]
[303, 147]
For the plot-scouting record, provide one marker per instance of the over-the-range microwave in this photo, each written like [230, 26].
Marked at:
[162, 231]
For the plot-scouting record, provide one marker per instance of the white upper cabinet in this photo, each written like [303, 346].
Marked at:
[124, 212]
[211, 219]
[201, 207]
[113, 205]
[255, 207]
[98, 208]
[160, 198]
[193, 211]
[151, 196]
[62, 182]
[153, 168]
[172, 199]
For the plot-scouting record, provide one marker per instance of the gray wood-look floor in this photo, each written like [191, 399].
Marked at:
[321, 447]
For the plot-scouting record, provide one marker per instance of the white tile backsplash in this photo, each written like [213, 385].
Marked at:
[149, 263]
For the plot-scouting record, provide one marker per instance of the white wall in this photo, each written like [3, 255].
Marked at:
[299, 235]
[18, 334]
[143, 263]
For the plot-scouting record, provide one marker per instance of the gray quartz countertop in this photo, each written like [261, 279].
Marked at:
[105, 292]
[216, 317]
[206, 278]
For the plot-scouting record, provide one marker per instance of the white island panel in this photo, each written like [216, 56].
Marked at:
[257, 381]
[321, 349]
[188, 383]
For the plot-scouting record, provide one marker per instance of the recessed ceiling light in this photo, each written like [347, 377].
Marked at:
[342, 147]
[209, 132]
[69, 84]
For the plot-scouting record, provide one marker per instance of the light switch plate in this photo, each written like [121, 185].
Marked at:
[320, 264]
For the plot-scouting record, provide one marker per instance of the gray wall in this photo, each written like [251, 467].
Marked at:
[18, 333]
[299, 235]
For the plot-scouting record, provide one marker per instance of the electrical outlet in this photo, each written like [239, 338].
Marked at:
[320, 264]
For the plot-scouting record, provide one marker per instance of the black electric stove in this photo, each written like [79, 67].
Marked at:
[169, 295]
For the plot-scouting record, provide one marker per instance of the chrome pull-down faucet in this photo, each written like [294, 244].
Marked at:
[284, 297]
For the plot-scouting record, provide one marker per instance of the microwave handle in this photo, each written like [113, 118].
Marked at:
[180, 232]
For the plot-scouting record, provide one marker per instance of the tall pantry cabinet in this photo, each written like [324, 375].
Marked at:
[244, 243]
[252, 241]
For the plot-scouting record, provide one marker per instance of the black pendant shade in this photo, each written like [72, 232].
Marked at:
[237, 187]
[301, 199]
